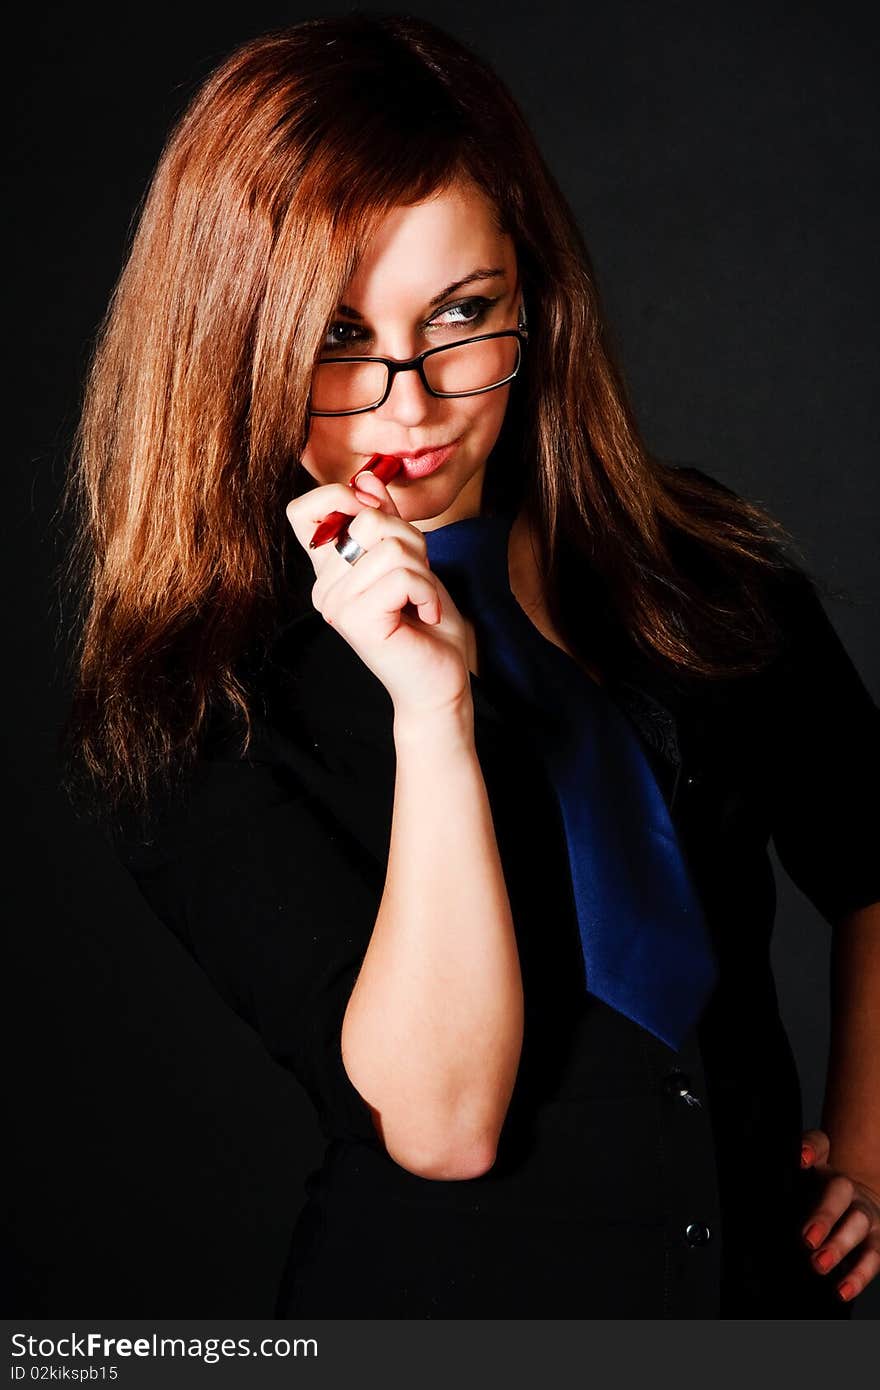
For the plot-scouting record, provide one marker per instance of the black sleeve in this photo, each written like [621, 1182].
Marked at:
[823, 758]
[818, 742]
[269, 903]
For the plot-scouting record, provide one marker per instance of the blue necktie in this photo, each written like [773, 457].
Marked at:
[646, 947]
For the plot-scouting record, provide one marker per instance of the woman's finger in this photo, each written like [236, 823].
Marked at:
[845, 1236]
[387, 540]
[369, 483]
[307, 512]
[389, 552]
[374, 524]
[815, 1147]
[389, 595]
[866, 1268]
[836, 1198]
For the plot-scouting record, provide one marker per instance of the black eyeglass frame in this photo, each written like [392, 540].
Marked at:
[417, 364]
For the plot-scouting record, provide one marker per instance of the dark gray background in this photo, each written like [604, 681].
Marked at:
[721, 160]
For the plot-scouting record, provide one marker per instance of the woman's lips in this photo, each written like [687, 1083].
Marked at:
[421, 465]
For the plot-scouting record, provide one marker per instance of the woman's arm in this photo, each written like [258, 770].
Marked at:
[845, 1222]
[851, 1111]
[432, 1033]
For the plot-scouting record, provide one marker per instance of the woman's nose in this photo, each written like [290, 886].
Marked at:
[408, 402]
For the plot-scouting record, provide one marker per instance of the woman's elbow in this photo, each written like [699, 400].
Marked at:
[453, 1164]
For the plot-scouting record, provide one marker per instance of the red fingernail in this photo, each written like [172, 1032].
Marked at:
[807, 1154]
[846, 1290]
[813, 1235]
[825, 1260]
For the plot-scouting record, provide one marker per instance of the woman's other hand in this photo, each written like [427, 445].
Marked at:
[389, 605]
[846, 1219]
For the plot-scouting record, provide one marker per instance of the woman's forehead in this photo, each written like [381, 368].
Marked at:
[421, 250]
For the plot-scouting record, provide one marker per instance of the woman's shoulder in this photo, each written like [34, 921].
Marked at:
[785, 586]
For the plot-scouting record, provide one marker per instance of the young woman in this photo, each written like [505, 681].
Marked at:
[467, 812]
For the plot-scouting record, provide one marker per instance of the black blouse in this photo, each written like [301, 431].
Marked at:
[620, 1187]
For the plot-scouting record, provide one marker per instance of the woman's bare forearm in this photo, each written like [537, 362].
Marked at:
[433, 1031]
[851, 1111]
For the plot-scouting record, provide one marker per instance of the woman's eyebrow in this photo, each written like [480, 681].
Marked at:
[479, 274]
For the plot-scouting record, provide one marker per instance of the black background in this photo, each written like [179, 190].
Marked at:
[721, 161]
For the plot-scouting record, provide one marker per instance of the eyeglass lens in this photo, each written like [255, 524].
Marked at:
[462, 367]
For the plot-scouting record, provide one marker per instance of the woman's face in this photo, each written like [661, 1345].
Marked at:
[389, 310]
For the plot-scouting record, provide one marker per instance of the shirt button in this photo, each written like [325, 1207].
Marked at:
[697, 1233]
[678, 1085]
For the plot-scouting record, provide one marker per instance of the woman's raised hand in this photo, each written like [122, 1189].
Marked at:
[389, 606]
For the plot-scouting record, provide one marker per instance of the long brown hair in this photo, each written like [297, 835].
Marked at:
[195, 412]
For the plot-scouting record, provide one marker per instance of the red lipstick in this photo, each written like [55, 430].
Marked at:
[386, 467]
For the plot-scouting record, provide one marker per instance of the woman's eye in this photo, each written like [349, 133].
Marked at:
[335, 335]
[470, 311]
[467, 313]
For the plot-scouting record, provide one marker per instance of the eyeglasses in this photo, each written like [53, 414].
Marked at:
[350, 385]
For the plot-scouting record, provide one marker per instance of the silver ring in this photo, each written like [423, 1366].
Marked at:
[348, 547]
